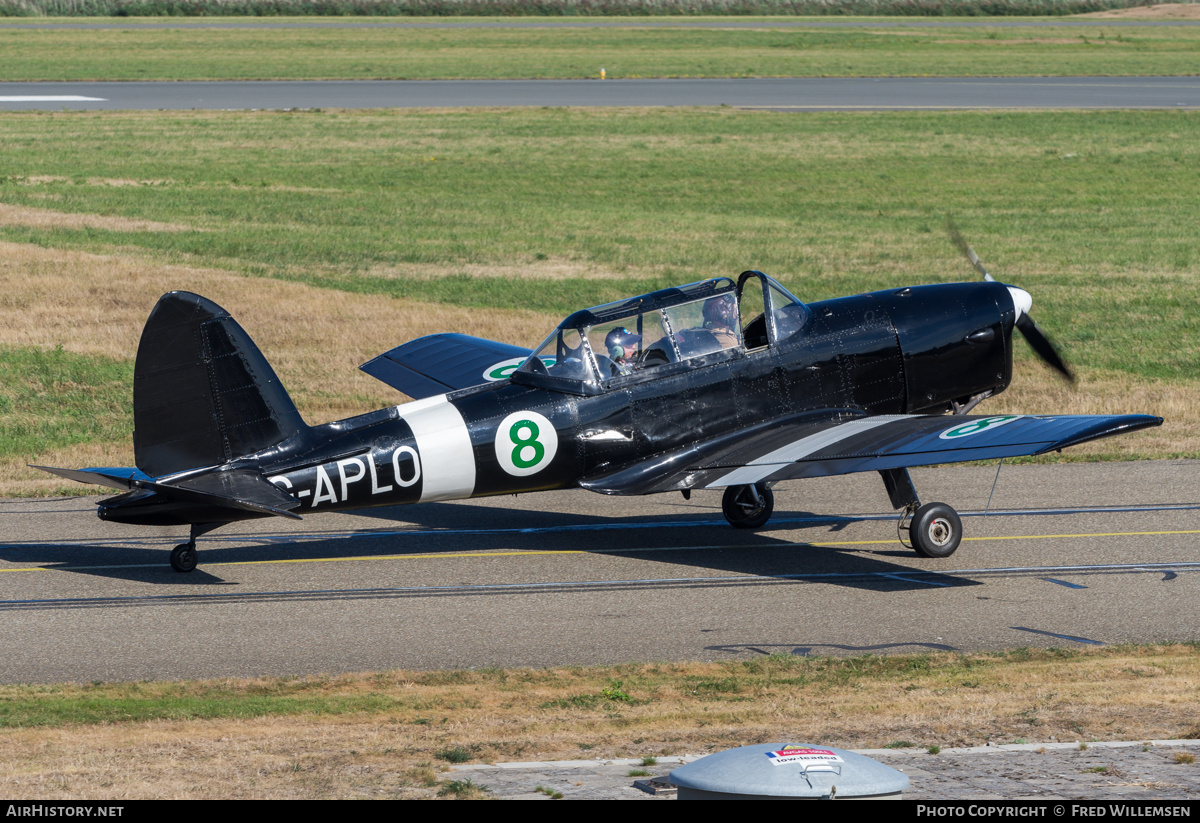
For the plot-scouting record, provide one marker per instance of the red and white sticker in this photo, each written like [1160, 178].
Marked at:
[803, 754]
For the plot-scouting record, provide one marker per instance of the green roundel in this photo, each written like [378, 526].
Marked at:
[525, 443]
[505, 368]
[977, 425]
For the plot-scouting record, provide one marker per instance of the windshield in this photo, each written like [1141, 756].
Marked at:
[770, 314]
[563, 355]
[629, 337]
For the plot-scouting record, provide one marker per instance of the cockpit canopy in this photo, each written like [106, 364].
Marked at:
[655, 334]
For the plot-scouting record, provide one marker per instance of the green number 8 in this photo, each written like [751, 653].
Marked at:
[539, 451]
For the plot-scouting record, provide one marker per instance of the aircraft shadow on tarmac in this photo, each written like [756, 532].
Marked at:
[450, 528]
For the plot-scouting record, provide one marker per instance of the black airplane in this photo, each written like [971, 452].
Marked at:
[720, 384]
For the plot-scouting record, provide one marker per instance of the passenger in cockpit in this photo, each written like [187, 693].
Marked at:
[622, 348]
[720, 318]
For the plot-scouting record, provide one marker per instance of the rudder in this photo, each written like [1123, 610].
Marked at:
[203, 394]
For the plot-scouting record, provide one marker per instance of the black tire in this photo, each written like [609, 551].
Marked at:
[744, 510]
[183, 558]
[936, 530]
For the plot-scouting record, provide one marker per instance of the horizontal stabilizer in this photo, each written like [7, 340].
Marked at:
[847, 441]
[441, 363]
[112, 478]
[244, 489]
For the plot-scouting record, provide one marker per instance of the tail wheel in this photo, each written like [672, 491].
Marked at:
[748, 507]
[936, 530]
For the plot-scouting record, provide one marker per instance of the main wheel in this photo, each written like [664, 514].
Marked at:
[936, 530]
[748, 507]
[183, 558]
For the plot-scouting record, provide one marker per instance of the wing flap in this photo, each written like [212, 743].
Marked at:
[848, 442]
[441, 363]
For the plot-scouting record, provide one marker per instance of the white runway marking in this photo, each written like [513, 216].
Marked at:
[50, 98]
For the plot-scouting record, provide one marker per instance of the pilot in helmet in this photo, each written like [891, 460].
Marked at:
[720, 318]
[622, 348]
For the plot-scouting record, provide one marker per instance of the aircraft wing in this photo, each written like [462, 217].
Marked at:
[441, 363]
[846, 441]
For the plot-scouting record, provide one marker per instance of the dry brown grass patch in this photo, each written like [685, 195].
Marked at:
[97, 304]
[536, 715]
[1159, 11]
[1037, 390]
[49, 219]
[18, 480]
[278, 758]
[39, 179]
[315, 338]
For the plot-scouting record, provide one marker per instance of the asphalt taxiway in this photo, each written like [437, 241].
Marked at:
[1073, 555]
[780, 93]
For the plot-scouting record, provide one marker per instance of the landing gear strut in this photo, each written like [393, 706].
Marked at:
[748, 507]
[183, 556]
[932, 530]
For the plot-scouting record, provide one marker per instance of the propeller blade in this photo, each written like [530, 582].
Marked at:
[1033, 335]
[966, 249]
[1041, 344]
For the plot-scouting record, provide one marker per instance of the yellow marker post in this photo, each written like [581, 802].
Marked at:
[601, 74]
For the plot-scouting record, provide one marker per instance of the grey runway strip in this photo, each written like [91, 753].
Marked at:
[786, 94]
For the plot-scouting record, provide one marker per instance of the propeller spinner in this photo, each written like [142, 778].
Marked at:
[1022, 302]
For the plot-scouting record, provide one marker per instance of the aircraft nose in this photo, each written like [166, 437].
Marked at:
[1022, 301]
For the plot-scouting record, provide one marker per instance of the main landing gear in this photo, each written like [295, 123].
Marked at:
[932, 530]
[748, 507]
[183, 556]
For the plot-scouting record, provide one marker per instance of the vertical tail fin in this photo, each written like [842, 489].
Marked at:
[203, 394]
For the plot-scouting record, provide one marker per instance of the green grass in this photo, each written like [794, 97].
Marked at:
[405, 695]
[462, 789]
[456, 754]
[23, 706]
[61, 398]
[1093, 212]
[554, 209]
[547, 8]
[222, 53]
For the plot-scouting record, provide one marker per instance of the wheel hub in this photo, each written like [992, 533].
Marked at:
[939, 531]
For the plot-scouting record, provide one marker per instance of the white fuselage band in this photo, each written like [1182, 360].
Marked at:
[444, 443]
